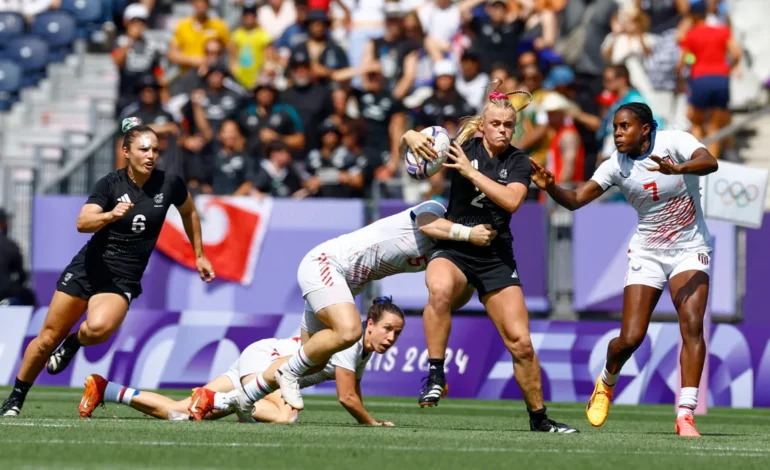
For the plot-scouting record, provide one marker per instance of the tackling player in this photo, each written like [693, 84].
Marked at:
[334, 272]
[657, 171]
[383, 325]
[125, 212]
[489, 180]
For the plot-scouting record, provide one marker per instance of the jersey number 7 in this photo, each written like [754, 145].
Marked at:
[654, 186]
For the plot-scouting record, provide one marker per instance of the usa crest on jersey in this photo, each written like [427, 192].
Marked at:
[703, 258]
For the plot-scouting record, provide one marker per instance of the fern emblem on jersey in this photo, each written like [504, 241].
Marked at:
[503, 174]
[158, 198]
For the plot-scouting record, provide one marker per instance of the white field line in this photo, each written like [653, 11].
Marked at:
[28, 423]
[720, 452]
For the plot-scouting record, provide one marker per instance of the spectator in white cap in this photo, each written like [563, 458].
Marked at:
[446, 105]
[136, 55]
[566, 155]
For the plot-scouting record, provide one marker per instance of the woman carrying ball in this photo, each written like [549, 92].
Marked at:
[125, 212]
[657, 171]
[489, 180]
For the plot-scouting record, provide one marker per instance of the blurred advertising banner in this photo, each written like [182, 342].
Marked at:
[255, 246]
[172, 349]
[601, 233]
[530, 238]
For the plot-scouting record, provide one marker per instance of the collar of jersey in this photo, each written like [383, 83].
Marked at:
[653, 134]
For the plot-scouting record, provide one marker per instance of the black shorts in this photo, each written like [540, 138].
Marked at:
[485, 274]
[79, 281]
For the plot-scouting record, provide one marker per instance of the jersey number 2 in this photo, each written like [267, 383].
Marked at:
[654, 187]
[138, 224]
[477, 200]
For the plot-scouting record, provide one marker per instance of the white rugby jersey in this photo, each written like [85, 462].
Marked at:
[392, 245]
[353, 359]
[669, 207]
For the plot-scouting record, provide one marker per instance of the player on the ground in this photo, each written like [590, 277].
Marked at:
[125, 212]
[489, 179]
[383, 325]
[657, 171]
[334, 272]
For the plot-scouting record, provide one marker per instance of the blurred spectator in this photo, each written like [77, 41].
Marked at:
[472, 82]
[326, 56]
[277, 15]
[250, 43]
[396, 54]
[709, 44]
[12, 274]
[294, 35]
[441, 20]
[29, 8]
[231, 167]
[344, 107]
[149, 110]
[561, 79]
[311, 100]
[276, 176]
[266, 120]
[497, 35]
[532, 128]
[385, 122]
[210, 106]
[566, 154]
[413, 32]
[196, 78]
[334, 170]
[629, 44]
[445, 104]
[187, 48]
[136, 54]
[541, 27]
[501, 73]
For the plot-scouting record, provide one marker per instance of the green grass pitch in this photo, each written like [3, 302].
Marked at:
[462, 434]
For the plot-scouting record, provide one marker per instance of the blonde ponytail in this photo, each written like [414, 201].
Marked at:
[515, 100]
[469, 125]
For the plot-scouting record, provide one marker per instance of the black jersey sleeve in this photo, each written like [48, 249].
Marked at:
[519, 169]
[178, 190]
[101, 195]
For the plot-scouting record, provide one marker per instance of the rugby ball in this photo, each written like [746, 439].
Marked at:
[420, 169]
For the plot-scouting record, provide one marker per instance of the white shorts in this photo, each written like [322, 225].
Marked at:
[322, 281]
[253, 360]
[654, 267]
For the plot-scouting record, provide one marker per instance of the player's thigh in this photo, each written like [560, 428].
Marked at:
[689, 283]
[274, 409]
[508, 311]
[63, 312]
[221, 383]
[645, 279]
[326, 294]
[106, 312]
[445, 279]
[461, 300]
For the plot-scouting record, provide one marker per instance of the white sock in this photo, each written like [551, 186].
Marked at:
[221, 400]
[299, 363]
[609, 379]
[688, 401]
[257, 389]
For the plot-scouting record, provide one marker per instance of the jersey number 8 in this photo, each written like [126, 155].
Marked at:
[138, 224]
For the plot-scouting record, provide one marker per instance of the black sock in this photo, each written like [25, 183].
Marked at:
[20, 389]
[72, 343]
[436, 370]
[538, 416]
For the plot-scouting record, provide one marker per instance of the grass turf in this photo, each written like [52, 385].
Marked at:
[458, 434]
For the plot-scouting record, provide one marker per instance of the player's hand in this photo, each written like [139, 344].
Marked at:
[460, 161]
[482, 235]
[119, 211]
[386, 424]
[665, 166]
[421, 145]
[206, 271]
[542, 178]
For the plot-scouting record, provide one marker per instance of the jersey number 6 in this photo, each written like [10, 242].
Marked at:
[138, 224]
[654, 187]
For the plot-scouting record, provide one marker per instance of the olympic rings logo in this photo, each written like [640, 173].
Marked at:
[736, 192]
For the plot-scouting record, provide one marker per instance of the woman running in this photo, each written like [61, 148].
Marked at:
[657, 171]
[125, 212]
[383, 325]
[489, 178]
[334, 272]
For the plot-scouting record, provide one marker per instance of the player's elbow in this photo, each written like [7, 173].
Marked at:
[714, 166]
[82, 226]
[348, 400]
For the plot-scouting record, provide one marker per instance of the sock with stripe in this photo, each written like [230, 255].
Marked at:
[116, 393]
[609, 379]
[299, 363]
[258, 389]
[688, 401]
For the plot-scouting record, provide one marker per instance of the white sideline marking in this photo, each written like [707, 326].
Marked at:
[41, 425]
[722, 451]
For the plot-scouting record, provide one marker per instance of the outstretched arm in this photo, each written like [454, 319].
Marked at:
[701, 163]
[439, 228]
[192, 227]
[572, 199]
[349, 394]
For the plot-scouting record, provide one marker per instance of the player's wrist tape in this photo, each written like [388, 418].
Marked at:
[460, 233]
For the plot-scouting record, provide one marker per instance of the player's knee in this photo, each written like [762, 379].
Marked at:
[630, 341]
[440, 295]
[520, 347]
[47, 341]
[97, 330]
[691, 326]
[349, 334]
[288, 417]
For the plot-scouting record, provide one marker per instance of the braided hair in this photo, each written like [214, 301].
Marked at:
[132, 128]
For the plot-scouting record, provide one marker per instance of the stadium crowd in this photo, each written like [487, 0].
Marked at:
[308, 97]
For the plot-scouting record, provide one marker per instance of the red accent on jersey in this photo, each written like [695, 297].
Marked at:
[678, 213]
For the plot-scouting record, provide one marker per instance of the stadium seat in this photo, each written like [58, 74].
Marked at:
[88, 15]
[58, 29]
[11, 26]
[31, 53]
[10, 83]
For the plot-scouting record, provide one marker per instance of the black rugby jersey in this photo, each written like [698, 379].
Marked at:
[469, 206]
[123, 248]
